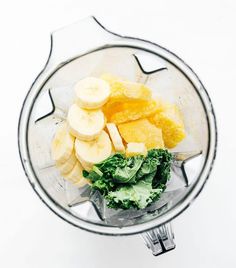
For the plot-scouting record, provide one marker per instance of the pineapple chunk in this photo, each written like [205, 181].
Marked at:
[142, 131]
[135, 148]
[111, 108]
[130, 111]
[171, 122]
[125, 90]
[128, 101]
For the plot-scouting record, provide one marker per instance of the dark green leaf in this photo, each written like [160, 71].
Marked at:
[131, 182]
[127, 173]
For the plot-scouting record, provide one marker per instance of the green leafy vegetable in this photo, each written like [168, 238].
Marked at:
[127, 173]
[139, 195]
[163, 169]
[131, 182]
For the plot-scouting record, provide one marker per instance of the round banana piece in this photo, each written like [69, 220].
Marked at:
[62, 145]
[75, 176]
[68, 165]
[85, 165]
[85, 124]
[82, 182]
[92, 93]
[93, 152]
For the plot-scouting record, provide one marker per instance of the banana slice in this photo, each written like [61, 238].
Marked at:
[68, 165]
[85, 165]
[85, 124]
[62, 145]
[92, 93]
[75, 176]
[115, 137]
[95, 151]
[82, 182]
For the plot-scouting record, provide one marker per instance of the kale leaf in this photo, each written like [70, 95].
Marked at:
[138, 195]
[131, 182]
[127, 174]
[163, 169]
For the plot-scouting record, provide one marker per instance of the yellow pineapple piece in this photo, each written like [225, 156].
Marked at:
[130, 111]
[170, 120]
[142, 131]
[125, 90]
[110, 108]
[128, 101]
[117, 88]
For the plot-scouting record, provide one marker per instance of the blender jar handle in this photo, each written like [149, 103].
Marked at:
[159, 240]
[78, 39]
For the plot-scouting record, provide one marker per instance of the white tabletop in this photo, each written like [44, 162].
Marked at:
[203, 34]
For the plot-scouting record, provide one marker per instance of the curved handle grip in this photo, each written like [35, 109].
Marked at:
[77, 39]
[159, 240]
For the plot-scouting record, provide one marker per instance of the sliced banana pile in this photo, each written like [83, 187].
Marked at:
[81, 141]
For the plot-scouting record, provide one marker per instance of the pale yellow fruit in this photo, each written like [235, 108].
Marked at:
[170, 120]
[132, 111]
[135, 148]
[68, 165]
[93, 152]
[82, 182]
[85, 124]
[122, 90]
[115, 137]
[62, 145]
[75, 176]
[92, 93]
[86, 166]
[142, 131]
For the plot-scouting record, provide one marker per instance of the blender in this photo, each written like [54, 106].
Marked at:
[84, 49]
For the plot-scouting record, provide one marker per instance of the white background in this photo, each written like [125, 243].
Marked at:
[203, 33]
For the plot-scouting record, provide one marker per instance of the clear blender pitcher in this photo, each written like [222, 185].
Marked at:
[86, 48]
